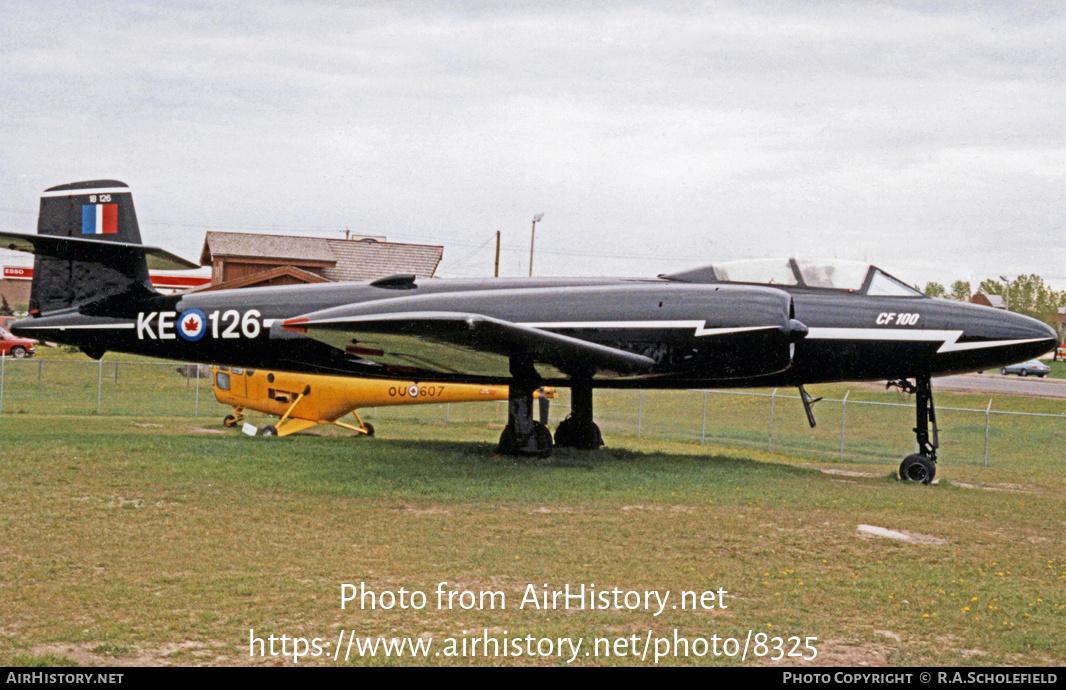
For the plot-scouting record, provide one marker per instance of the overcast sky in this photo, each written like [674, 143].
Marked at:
[928, 138]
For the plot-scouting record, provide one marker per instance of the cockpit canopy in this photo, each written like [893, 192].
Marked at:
[853, 276]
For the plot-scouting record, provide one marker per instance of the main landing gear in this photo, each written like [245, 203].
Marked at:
[523, 435]
[578, 430]
[921, 466]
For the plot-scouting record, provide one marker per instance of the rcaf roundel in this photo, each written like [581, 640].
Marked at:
[192, 325]
[413, 391]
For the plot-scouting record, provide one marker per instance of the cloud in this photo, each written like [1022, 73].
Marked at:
[652, 136]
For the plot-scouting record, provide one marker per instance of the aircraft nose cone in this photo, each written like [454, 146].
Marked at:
[991, 338]
[1033, 337]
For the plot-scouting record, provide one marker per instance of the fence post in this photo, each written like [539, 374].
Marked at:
[703, 430]
[843, 414]
[196, 407]
[3, 362]
[99, 383]
[988, 412]
[640, 410]
[770, 437]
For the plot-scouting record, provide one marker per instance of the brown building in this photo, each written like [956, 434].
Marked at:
[994, 301]
[240, 259]
[245, 260]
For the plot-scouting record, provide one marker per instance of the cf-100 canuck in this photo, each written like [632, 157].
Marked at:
[740, 324]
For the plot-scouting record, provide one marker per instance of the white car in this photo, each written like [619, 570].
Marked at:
[1032, 367]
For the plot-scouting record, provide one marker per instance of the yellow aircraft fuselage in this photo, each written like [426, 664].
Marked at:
[304, 400]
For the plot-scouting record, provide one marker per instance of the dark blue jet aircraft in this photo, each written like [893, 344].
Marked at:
[740, 324]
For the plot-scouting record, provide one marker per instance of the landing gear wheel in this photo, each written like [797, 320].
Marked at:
[570, 434]
[917, 468]
[229, 421]
[268, 430]
[369, 428]
[542, 442]
[507, 444]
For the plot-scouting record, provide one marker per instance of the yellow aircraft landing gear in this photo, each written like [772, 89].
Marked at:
[232, 420]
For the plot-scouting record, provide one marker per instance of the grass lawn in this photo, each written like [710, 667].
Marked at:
[141, 539]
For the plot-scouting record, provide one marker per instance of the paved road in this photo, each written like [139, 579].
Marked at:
[996, 384]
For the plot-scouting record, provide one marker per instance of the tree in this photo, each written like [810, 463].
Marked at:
[934, 289]
[960, 290]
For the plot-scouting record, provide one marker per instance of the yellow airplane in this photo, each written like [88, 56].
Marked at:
[305, 400]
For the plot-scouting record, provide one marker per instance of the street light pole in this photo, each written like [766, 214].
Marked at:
[532, 237]
[1007, 298]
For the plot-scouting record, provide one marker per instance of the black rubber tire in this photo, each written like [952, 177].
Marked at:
[18, 352]
[917, 468]
[269, 430]
[507, 444]
[369, 428]
[567, 435]
[229, 421]
[544, 440]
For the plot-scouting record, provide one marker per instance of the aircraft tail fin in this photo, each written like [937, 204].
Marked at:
[100, 211]
[88, 248]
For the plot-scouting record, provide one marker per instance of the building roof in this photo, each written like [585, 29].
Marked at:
[341, 260]
[264, 278]
[995, 301]
[362, 260]
[248, 245]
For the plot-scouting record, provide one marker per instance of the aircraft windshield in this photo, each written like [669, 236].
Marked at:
[854, 276]
[769, 271]
[886, 285]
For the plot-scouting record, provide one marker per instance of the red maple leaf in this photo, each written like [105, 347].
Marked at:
[192, 323]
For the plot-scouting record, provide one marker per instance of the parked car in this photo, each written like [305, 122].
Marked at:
[13, 346]
[1032, 367]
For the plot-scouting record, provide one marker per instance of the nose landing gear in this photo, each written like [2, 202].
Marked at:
[921, 466]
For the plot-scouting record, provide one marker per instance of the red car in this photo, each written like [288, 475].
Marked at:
[13, 346]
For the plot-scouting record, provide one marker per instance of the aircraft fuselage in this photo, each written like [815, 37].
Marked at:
[698, 334]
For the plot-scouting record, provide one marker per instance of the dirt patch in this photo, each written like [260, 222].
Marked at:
[873, 532]
[93, 654]
[851, 473]
[660, 509]
[1010, 488]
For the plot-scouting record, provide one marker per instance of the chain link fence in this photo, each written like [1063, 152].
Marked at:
[849, 428]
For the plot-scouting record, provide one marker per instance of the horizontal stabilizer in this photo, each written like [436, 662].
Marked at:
[464, 344]
[78, 249]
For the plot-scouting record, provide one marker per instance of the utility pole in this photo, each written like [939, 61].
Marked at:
[532, 236]
[497, 273]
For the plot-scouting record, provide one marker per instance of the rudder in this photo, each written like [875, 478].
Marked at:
[100, 211]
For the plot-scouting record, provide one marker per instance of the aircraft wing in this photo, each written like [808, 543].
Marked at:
[464, 344]
[78, 249]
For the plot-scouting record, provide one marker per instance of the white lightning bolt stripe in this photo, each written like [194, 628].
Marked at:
[83, 192]
[82, 326]
[699, 327]
[949, 339]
